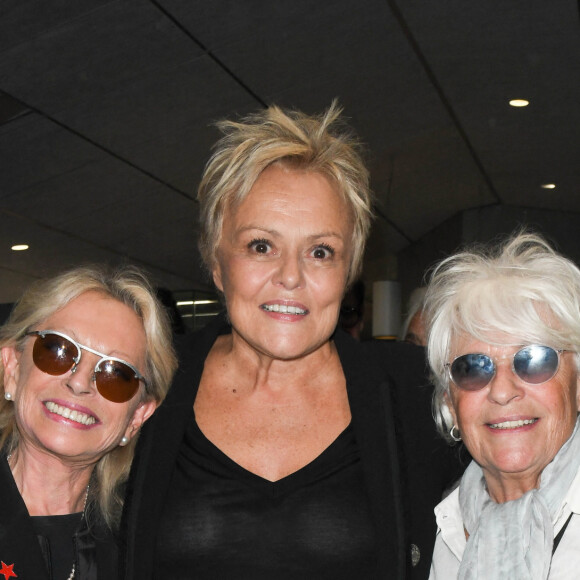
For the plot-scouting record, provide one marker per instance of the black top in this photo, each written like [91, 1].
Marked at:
[404, 463]
[225, 522]
[23, 545]
[55, 535]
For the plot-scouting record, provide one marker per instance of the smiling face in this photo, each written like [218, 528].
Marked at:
[282, 262]
[511, 428]
[42, 402]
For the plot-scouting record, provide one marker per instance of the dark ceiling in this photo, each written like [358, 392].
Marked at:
[107, 107]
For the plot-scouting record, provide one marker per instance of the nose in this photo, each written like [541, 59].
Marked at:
[290, 273]
[79, 380]
[505, 386]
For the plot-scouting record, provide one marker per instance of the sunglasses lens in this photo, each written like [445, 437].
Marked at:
[116, 381]
[472, 372]
[536, 364]
[53, 354]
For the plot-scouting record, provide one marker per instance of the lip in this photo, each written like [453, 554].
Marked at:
[73, 407]
[512, 424]
[297, 310]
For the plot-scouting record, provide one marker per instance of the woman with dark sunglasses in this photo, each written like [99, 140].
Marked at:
[504, 338]
[86, 358]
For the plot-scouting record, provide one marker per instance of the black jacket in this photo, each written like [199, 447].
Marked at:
[20, 547]
[405, 464]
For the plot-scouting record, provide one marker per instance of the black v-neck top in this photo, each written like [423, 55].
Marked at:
[222, 521]
[55, 535]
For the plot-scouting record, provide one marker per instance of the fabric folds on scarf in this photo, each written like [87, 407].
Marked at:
[514, 539]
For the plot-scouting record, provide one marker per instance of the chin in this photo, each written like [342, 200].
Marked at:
[289, 349]
[517, 462]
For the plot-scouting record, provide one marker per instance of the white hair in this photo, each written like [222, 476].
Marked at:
[416, 302]
[518, 292]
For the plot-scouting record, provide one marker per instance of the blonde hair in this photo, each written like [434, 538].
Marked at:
[521, 291]
[321, 144]
[131, 287]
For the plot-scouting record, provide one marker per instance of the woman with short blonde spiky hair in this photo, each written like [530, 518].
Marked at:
[274, 455]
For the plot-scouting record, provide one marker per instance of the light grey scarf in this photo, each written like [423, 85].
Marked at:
[514, 539]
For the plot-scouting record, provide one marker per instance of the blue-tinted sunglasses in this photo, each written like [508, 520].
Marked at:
[533, 364]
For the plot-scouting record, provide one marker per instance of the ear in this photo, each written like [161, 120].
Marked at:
[10, 361]
[217, 276]
[578, 390]
[141, 414]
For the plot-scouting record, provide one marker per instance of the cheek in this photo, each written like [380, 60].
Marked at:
[23, 381]
[328, 285]
[238, 276]
[466, 409]
[576, 392]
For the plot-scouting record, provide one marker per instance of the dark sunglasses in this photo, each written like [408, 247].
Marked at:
[534, 364]
[56, 353]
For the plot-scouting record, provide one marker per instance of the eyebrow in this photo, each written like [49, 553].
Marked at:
[276, 233]
[114, 353]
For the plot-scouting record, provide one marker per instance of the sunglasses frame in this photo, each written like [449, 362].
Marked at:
[77, 359]
[449, 366]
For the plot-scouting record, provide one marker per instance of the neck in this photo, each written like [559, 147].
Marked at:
[262, 372]
[502, 489]
[47, 485]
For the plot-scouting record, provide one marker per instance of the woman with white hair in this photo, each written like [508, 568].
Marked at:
[504, 338]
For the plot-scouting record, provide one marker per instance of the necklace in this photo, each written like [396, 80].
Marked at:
[74, 566]
[72, 572]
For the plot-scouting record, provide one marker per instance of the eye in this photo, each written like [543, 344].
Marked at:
[260, 246]
[322, 252]
[117, 369]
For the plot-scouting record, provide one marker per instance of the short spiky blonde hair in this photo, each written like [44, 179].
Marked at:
[321, 144]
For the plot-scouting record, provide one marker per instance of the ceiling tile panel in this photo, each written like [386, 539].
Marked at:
[23, 20]
[123, 94]
[82, 59]
[485, 54]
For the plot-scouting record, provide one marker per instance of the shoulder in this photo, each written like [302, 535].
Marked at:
[404, 367]
[192, 351]
[429, 464]
[198, 344]
[450, 541]
[106, 551]
[401, 361]
[448, 511]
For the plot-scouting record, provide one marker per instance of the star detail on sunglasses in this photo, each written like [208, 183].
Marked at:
[7, 571]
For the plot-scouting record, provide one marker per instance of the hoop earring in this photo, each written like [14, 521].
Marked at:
[124, 441]
[8, 396]
[452, 435]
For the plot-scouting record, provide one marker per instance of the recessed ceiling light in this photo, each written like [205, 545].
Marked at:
[548, 186]
[195, 302]
[20, 247]
[519, 103]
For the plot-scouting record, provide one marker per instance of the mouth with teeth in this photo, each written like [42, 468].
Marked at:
[284, 309]
[512, 424]
[70, 414]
